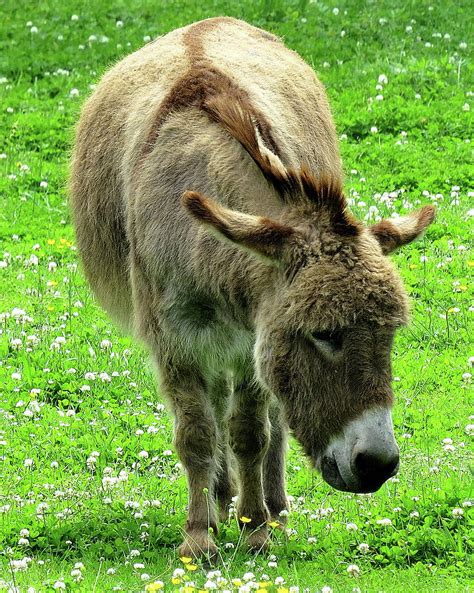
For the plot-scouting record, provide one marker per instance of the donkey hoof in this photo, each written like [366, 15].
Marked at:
[198, 545]
[258, 541]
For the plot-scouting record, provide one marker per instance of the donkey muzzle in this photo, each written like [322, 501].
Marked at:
[364, 456]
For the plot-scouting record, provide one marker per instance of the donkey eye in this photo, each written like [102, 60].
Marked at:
[332, 339]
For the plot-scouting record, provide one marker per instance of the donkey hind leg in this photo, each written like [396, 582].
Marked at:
[196, 445]
[274, 466]
[225, 487]
[249, 438]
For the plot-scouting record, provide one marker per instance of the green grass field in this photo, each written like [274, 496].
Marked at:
[92, 497]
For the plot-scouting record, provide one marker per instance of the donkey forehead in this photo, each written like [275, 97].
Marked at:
[328, 294]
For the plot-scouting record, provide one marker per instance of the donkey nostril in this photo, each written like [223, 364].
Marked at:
[370, 466]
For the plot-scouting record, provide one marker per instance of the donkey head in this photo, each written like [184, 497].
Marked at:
[327, 316]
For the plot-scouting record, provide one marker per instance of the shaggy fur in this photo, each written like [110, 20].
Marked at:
[218, 127]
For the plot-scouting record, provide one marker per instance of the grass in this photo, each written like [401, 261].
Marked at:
[71, 385]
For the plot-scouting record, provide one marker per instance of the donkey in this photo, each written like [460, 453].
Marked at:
[206, 189]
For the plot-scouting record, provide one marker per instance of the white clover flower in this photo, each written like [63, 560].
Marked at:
[469, 429]
[16, 343]
[382, 79]
[145, 577]
[74, 17]
[17, 565]
[353, 570]
[335, 11]
[60, 584]
[463, 45]
[34, 30]
[384, 522]
[119, 24]
[374, 130]
[326, 589]
[457, 513]
[363, 547]
[106, 344]
[76, 575]
[111, 571]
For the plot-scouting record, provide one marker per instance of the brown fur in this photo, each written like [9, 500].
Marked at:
[226, 115]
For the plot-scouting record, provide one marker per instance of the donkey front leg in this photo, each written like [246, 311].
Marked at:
[196, 445]
[249, 437]
[274, 466]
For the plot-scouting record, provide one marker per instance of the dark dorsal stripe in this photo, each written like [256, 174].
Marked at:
[203, 83]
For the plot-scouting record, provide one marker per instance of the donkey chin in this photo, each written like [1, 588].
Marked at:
[363, 456]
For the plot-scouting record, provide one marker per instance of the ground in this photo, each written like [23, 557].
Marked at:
[92, 497]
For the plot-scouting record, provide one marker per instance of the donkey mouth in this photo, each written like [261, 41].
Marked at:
[332, 475]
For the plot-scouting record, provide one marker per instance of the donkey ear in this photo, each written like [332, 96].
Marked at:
[261, 236]
[395, 232]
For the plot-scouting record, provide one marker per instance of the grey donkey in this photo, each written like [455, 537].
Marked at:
[206, 189]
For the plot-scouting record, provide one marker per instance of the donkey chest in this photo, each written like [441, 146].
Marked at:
[210, 332]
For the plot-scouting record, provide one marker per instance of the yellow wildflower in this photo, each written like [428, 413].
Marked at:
[51, 241]
[190, 566]
[274, 524]
[245, 520]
